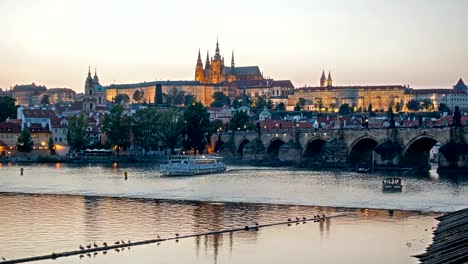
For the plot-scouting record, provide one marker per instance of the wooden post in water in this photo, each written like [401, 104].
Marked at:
[21, 171]
[125, 175]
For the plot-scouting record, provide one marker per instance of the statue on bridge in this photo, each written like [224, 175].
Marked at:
[457, 117]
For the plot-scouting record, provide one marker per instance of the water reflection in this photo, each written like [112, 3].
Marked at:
[241, 184]
[40, 224]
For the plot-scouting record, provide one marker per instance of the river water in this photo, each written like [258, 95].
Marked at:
[57, 207]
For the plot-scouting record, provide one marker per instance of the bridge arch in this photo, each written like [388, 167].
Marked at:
[361, 150]
[417, 151]
[240, 149]
[272, 151]
[313, 147]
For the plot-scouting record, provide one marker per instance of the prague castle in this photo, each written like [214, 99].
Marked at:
[215, 72]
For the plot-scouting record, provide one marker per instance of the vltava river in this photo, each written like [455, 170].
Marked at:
[54, 208]
[240, 184]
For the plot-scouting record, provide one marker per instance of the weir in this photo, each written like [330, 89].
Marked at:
[54, 255]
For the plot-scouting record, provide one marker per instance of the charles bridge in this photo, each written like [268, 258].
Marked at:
[397, 147]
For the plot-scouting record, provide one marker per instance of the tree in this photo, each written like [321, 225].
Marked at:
[45, 99]
[397, 107]
[116, 126]
[217, 125]
[345, 109]
[76, 136]
[413, 105]
[280, 107]
[171, 125]
[174, 97]
[370, 110]
[24, 143]
[427, 105]
[444, 108]
[138, 95]
[236, 104]
[240, 121]
[121, 99]
[146, 124]
[260, 103]
[51, 146]
[7, 108]
[220, 100]
[189, 99]
[197, 127]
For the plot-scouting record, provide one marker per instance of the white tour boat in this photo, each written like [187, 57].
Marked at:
[187, 165]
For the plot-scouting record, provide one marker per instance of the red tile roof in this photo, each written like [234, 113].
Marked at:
[7, 127]
[38, 113]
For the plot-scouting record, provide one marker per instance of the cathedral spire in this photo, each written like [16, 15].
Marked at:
[329, 79]
[232, 59]
[89, 71]
[217, 55]
[199, 57]
[323, 79]
[207, 64]
[95, 78]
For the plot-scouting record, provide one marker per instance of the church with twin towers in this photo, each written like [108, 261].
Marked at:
[215, 71]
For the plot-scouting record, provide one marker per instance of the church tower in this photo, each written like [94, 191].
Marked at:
[199, 69]
[323, 80]
[89, 84]
[217, 66]
[329, 80]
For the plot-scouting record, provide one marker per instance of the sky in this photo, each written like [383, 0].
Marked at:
[423, 43]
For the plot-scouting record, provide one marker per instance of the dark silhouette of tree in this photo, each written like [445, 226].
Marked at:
[397, 107]
[121, 99]
[413, 105]
[220, 100]
[45, 100]
[7, 108]
[25, 142]
[280, 107]
[116, 126]
[427, 105]
[138, 95]
[240, 121]
[174, 97]
[51, 146]
[444, 108]
[345, 109]
[146, 128]
[197, 127]
[76, 135]
[170, 128]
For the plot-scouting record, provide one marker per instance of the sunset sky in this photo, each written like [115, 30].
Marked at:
[423, 43]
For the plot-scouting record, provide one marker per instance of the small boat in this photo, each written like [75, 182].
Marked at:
[362, 169]
[187, 165]
[392, 184]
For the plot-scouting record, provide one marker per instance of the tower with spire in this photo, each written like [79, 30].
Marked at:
[95, 93]
[329, 80]
[232, 60]
[199, 69]
[323, 79]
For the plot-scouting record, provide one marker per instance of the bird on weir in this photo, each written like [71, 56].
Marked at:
[81, 256]
[289, 219]
[88, 246]
[3, 258]
[297, 218]
[95, 245]
[117, 243]
[104, 244]
[303, 218]
[256, 223]
[177, 235]
[81, 247]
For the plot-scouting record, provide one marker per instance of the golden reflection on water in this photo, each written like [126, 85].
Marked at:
[41, 224]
